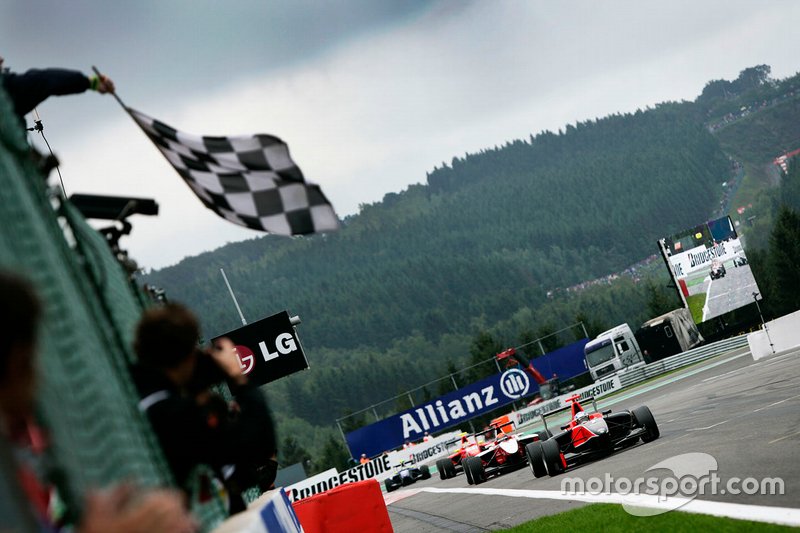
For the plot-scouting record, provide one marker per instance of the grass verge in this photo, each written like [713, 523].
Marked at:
[613, 518]
[696, 303]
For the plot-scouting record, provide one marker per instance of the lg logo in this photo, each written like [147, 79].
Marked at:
[283, 344]
[514, 383]
[246, 358]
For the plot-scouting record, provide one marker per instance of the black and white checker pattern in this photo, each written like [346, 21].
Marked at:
[248, 180]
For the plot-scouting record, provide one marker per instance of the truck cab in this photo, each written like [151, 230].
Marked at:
[612, 351]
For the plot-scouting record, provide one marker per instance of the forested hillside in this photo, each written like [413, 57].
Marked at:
[403, 289]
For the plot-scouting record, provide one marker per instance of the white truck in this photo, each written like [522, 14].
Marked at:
[660, 337]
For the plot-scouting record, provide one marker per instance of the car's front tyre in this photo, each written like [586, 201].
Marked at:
[536, 459]
[552, 457]
[473, 466]
[646, 420]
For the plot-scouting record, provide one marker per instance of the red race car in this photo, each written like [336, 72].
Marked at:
[453, 464]
[502, 451]
[588, 436]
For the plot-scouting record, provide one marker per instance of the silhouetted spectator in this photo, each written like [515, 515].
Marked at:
[121, 509]
[193, 423]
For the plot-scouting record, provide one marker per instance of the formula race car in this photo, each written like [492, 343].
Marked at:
[717, 270]
[406, 475]
[588, 436]
[453, 463]
[502, 452]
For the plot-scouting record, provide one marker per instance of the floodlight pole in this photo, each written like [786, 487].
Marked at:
[233, 297]
[763, 324]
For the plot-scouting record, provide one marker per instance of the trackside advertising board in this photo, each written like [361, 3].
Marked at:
[566, 362]
[333, 478]
[443, 412]
[379, 467]
[268, 349]
[529, 415]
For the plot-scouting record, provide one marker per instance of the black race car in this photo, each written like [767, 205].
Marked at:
[406, 475]
[588, 436]
[717, 270]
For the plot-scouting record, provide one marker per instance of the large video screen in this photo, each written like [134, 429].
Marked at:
[710, 269]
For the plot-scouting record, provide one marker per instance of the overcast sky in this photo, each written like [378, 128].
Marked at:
[369, 94]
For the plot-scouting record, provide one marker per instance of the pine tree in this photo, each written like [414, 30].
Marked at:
[783, 261]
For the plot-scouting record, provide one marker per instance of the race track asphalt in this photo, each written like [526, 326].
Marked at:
[744, 413]
[732, 291]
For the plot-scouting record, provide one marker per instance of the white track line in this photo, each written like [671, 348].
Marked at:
[760, 513]
[709, 427]
[776, 403]
[784, 437]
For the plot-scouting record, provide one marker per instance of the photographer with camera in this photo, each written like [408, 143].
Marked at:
[194, 424]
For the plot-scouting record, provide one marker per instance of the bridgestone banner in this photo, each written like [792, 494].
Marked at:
[529, 415]
[379, 467]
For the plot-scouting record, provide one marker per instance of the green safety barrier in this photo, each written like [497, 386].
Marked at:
[87, 400]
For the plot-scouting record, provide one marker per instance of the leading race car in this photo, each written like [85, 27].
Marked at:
[502, 452]
[406, 475]
[588, 436]
[717, 269]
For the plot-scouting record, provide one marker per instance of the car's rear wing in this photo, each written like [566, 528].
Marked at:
[560, 410]
[494, 426]
[472, 438]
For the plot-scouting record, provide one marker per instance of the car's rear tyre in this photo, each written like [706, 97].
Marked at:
[552, 457]
[389, 485]
[473, 466]
[536, 459]
[445, 468]
[425, 471]
[645, 419]
[544, 434]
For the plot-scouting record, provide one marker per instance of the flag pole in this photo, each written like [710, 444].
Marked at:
[233, 297]
[114, 93]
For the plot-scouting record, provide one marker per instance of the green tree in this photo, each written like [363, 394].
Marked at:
[548, 337]
[483, 348]
[445, 385]
[352, 422]
[334, 455]
[291, 453]
[594, 326]
[660, 299]
[783, 261]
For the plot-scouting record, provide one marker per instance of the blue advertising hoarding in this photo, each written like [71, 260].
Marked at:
[438, 414]
[459, 406]
[566, 362]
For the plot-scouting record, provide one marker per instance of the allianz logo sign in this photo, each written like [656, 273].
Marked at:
[514, 384]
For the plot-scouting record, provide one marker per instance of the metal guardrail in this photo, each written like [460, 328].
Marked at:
[641, 372]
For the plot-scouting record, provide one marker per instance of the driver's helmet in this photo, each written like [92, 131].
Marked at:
[581, 417]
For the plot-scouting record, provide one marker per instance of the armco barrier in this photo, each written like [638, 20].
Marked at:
[345, 509]
[639, 373]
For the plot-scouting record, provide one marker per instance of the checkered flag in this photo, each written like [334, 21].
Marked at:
[248, 180]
